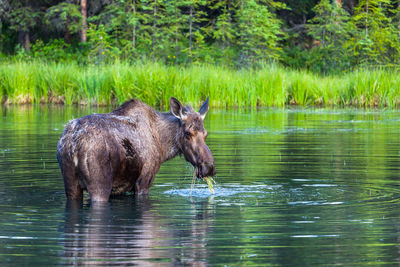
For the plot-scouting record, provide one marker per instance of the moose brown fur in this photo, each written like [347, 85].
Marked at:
[109, 154]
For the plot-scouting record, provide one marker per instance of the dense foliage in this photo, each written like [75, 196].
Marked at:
[155, 83]
[319, 35]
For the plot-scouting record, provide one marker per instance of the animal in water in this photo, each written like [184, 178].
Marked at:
[121, 151]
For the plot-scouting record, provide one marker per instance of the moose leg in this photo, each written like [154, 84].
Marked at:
[143, 183]
[98, 178]
[140, 186]
[73, 188]
[100, 187]
[146, 178]
[74, 191]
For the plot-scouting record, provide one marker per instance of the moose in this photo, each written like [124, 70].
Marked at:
[121, 151]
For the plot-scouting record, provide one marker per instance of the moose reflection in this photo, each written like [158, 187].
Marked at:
[113, 153]
[126, 231]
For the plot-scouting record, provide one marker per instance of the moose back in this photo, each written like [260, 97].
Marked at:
[113, 153]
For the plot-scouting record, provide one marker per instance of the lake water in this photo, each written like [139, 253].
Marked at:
[301, 187]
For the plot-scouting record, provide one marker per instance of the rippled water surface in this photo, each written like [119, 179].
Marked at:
[312, 187]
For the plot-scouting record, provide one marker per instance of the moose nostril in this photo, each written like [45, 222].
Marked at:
[208, 169]
[213, 171]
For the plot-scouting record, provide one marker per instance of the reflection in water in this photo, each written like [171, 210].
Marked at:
[129, 231]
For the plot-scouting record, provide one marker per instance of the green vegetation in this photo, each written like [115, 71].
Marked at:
[238, 52]
[155, 83]
[324, 36]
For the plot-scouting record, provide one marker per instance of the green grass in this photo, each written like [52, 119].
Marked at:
[33, 82]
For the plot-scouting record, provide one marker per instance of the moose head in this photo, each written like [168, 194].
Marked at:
[191, 137]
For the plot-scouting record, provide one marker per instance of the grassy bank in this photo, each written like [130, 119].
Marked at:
[31, 82]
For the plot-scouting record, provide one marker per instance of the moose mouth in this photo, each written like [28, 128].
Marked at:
[206, 178]
[202, 172]
[198, 173]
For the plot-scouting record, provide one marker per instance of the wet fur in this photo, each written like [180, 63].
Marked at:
[117, 152]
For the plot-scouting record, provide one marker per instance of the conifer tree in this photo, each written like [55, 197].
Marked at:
[394, 49]
[330, 28]
[375, 35]
[156, 6]
[65, 17]
[173, 27]
[223, 27]
[259, 31]
[193, 16]
[23, 18]
[129, 24]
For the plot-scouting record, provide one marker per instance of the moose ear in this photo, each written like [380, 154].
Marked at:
[203, 109]
[177, 108]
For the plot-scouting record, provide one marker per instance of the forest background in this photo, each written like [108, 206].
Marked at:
[313, 51]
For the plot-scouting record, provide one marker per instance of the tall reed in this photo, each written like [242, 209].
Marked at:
[154, 83]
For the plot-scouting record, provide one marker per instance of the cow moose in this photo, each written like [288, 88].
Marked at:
[121, 151]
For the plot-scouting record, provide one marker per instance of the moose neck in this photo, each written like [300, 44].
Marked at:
[168, 129]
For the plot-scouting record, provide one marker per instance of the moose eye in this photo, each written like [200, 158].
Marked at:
[187, 135]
